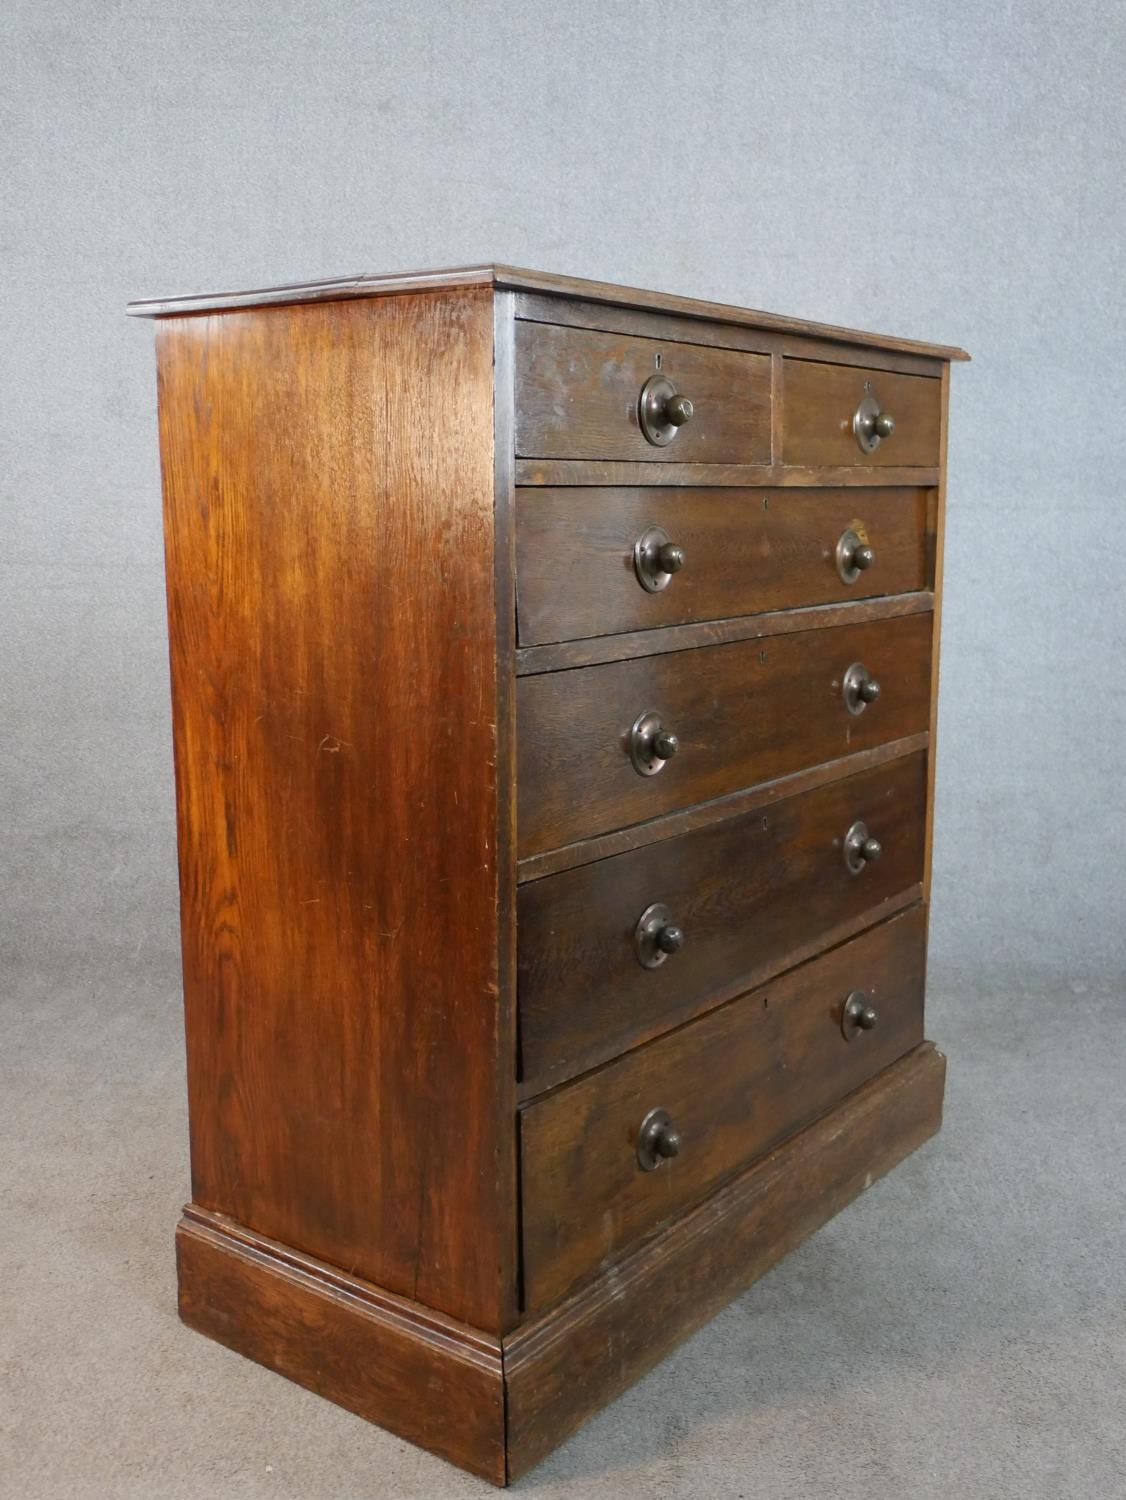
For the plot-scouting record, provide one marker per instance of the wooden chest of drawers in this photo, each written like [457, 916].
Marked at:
[553, 685]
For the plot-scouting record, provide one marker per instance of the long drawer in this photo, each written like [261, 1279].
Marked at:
[587, 395]
[746, 894]
[589, 560]
[724, 1090]
[826, 410]
[742, 713]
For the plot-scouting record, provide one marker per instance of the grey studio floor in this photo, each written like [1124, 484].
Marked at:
[960, 1330]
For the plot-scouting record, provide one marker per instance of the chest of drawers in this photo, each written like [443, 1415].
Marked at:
[553, 688]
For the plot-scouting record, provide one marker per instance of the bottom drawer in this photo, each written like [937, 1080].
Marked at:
[732, 1085]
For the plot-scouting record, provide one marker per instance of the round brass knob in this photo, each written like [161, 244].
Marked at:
[870, 425]
[662, 411]
[670, 939]
[678, 410]
[656, 559]
[860, 848]
[656, 937]
[658, 1140]
[859, 688]
[665, 744]
[650, 744]
[853, 556]
[857, 1015]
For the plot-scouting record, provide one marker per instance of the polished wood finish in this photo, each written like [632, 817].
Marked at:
[577, 395]
[329, 503]
[727, 1081]
[583, 471]
[705, 814]
[592, 651]
[748, 892]
[519, 279]
[744, 713]
[336, 1334]
[821, 399]
[407, 647]
[938, 528]
[612, 318]
[747, 551]
[563, 1367]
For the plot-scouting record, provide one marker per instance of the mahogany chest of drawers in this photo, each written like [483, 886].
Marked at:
[553, 685]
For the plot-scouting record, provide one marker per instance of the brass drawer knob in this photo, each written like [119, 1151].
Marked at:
[870, 425]
[651, 745]
[661, 410]
[657, 1140]
[860, 848]
[853, 556]
[656, 936]
[857, 1016]
[656, 559]
[859, 688]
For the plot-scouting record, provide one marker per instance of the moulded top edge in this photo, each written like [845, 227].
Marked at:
[516, 279]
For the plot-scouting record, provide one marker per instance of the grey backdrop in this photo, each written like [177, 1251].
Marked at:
[951, 172]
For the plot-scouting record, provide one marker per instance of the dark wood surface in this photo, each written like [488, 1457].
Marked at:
[818, 408]
[747, 551]
[705, 814]
[541, 307]
[744, 713]
[577, 397]
[523, 280]
[433, 1381]
[747, 893]
[582, 471]
[592, 651]
[329, 490]
[566, 1365]
[734, 1083]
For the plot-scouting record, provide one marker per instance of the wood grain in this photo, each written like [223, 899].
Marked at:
[568, 471]
[744, 713]
[563, 1367]
[519, 279]
[434, 1382]
[734, 1083]
[594, 650]
[577, 396]
[747, 893]
[329, 489]
[821, 400]
[574, 313]
[747, 551]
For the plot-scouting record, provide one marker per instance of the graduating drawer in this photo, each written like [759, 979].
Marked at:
[839, 414]
[595, 1167]
[588, 395]
[746, 896]
[593, 561]
[593, 747]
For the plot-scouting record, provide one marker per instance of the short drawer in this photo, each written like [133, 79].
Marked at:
[730, 1086]
[741, 713]
[747, 895]
[587, 395]
[591, 561]
[832, 415]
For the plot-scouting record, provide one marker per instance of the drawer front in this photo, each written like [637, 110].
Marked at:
[822, 401]
[742, 713]
[588, 561]
[732, 1084]
[579, 393]
[747, 894]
